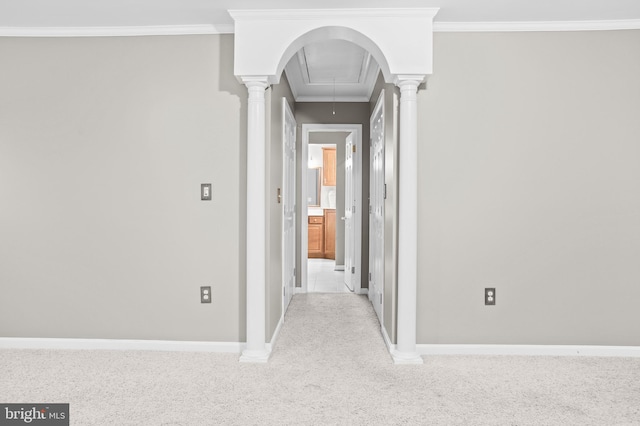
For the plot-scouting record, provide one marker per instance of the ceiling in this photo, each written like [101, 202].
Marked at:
[332, 70]
[319, 72]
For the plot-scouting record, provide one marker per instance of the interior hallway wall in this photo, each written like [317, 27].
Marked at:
[104, 143]
[529, 154]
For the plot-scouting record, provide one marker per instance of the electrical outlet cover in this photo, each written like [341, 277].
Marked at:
[205, 294]
[489, 296]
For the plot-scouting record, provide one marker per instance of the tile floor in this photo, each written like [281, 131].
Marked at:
[323, 278]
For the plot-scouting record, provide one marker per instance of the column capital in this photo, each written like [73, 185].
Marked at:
[408, 80]
[252, 81]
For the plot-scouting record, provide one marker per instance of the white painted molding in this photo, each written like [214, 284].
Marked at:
[364, 291]
[276, 333]
[530, 350]
[200, 29]
[119, 345]
[624, 24]
[339, 268]
[331, 99]
[359, 13]
[400, 358]
[115, 31]
[258, 356]
[387, 340]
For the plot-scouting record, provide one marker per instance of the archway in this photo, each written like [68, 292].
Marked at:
[401, 41]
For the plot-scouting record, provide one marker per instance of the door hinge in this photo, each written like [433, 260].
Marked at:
[369, 276]
[353, 210]
[294, 272]
[284, 291]
[353, 148]
[381, 298]
[369, 208]
[353, 269]
[385, 191]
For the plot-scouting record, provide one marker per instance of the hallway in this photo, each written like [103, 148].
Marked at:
[323, 278]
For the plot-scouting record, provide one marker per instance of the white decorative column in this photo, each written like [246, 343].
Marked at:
[405, 352]
[256, 350]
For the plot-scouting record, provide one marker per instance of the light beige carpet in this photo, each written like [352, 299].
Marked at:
[329, 366]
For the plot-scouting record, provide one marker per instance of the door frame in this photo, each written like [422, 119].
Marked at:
[356, 129]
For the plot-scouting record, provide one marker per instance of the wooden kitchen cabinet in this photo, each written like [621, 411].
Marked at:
[330, 234]
[316, 236]
[329, 165]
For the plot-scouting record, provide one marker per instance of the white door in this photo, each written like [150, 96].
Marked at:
[349, 207]
[288, 205]
[376, 209]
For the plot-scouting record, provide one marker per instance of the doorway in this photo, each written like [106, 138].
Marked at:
[351, 241]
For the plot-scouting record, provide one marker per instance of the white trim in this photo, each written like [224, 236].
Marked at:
[362, 290]
[330, 98]
[151, 30]
[200, 29]
[529, 350]
[319, 14]
[387, 340]
[339, 268]
[276, 333]
[609, 25]
[119, 345]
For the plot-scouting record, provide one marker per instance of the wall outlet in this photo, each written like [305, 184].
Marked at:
[205, 294]
[489, 296]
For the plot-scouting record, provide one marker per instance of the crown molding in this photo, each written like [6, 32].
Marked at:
[624, 24]
[297, 14]
[156, 30]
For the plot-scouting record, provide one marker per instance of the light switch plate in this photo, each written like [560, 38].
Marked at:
[205, 191]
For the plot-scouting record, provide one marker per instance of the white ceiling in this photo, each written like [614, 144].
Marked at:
[332, 70]
[312, 71]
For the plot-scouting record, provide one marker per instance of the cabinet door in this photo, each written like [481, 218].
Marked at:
[329, 166]
[316, 237]
[330, 234]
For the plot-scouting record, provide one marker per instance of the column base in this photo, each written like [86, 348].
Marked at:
[260, 356]
[406, 358]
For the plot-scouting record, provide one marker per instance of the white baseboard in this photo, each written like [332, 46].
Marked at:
[120, 344]
[271, 344]
[339, 268]
[363, 291]
[387, 341]
[530, 350]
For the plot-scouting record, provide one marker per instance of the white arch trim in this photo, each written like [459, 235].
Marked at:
[401, 40]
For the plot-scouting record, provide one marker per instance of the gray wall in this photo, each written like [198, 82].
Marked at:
[529, 181]
[274, 173]
[346, 113]
[104, 143]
